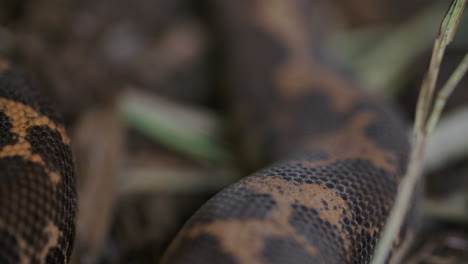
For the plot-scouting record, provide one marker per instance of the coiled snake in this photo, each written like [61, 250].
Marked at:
[37, 184]
[339, 156]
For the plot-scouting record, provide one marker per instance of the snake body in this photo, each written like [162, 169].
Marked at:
[37, 185]
[338, 156]
[338, 153]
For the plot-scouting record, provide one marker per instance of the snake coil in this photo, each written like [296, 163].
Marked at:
[339, 153]
[37, 184]
[338, 156]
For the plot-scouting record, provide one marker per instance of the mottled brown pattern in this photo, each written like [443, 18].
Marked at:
[25, 250]
[37, 185]
[247, 246]
[352, 142]
[296, 79]
[300, 74]
[325, 201]
[53, 240]
[23, 117]
[315, 196]
[339, 166]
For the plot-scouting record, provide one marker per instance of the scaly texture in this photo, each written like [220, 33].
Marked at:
[339, 156]
[37, 185]
[341, 152]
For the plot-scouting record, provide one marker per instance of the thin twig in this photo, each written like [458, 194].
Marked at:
[448, 88]
[446, 35]
[402, 203]
[420, 132]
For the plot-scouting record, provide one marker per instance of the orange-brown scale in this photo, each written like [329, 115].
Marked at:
[282, 49]
[37, 186]
[337, 216]
[299, 72]
[247, 246]
[352, 142]
[22, 118]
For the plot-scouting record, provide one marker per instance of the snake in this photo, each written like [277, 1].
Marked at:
[332, 155]
[37, 181]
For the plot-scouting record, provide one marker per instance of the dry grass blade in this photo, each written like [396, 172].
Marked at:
[423, 112]
[448, 88]
[446, 33]
[188, 130]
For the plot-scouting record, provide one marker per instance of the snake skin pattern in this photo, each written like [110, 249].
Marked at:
[37, 185]
[338, 156]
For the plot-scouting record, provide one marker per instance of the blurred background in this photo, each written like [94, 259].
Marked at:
[139, 85]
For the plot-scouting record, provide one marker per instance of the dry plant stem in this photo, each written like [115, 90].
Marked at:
[445, 36]
[448, 88]
[414, 171]
[428, 86]
[396, 217]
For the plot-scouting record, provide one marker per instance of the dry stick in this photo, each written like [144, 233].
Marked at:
[446, 34]
[420, 132]
[443, 95]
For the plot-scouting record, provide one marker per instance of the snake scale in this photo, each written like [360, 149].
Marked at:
[37, 184]
[338, 155]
